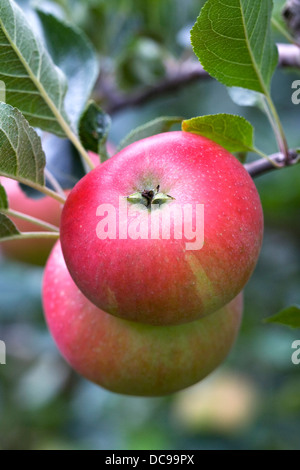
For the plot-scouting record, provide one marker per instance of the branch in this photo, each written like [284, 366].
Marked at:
[289, 55]
[261, 166]
[177, 76]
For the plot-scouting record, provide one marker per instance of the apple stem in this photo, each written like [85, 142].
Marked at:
[275, 122]
[149, 197]
[271, 160]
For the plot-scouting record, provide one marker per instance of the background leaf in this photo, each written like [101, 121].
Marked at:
[290, 316]
[94, 127]
[156, 126]
[7, 228]
[3, 198]
[232, 39]
[232, 132]
[33, 83]
[21, 154]
[74, 54]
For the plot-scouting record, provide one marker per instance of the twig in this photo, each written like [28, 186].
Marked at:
[42, 189]
[261, 166]
[31, 235]
[32, 220]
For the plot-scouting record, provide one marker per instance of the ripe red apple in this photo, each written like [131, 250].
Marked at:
[127, 357]
[163, 281]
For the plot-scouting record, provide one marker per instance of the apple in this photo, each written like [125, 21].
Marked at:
[127, 357]
[35, 251]
[127, 272]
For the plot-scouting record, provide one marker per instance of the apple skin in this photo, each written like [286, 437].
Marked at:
[35, 251]
[133, 358]
[160, 282]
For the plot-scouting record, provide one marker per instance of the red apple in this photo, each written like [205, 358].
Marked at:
[34, 251]
[163, 281]
[127, 357]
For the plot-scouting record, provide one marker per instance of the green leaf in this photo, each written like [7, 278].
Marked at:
[156, 126]
[232, 132]
[73, 53]
[94, 127]
[33, 83]
[289, 316]
[232, 39]
[3, 198]
[7, 228]
[21, 154]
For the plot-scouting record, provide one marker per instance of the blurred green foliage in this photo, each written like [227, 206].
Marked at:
[43, 404]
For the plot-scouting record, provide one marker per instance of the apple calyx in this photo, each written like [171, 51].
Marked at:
[149, 197]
